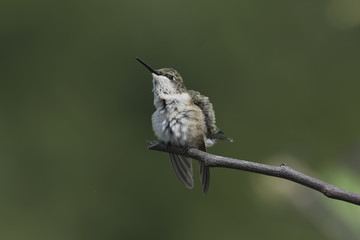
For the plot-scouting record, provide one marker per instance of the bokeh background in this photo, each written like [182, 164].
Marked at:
[75, 110]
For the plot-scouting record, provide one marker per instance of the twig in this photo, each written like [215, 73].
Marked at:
[282, 171]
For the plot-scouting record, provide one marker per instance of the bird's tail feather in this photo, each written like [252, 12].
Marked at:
[204, 177]
[204, 172]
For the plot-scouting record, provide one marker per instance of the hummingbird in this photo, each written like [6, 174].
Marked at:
[183, 118]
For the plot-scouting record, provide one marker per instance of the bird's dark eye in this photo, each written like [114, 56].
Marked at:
[171, 77]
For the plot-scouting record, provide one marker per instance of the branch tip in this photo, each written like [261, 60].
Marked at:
[290, 174]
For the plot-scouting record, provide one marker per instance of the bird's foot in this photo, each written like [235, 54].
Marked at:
[186, 149]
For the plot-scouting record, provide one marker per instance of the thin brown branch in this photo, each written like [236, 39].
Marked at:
[282, 171]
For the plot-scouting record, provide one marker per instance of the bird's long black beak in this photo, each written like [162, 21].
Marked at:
[147, 66]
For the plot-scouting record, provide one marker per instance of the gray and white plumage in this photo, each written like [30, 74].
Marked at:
[183, 118]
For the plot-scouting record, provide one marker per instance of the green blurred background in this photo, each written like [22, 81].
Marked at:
[75, 110]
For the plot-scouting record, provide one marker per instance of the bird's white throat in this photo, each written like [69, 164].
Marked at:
[164, 89]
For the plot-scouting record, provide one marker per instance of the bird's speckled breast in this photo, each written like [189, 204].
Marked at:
[179, 122]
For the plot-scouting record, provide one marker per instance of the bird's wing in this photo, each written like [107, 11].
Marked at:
[183, 169]
[206, 106]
